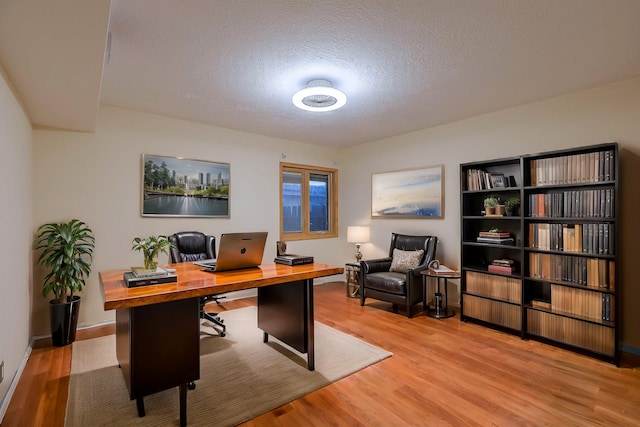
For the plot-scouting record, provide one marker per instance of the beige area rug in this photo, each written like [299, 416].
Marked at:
[240, 377]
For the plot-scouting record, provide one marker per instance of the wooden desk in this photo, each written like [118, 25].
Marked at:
[158, 326]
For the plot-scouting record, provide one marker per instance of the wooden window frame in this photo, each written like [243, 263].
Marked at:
[306, 172]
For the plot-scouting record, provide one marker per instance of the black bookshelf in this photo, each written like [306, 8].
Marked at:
[556, 279]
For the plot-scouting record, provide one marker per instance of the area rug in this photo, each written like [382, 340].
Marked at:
[240, 377]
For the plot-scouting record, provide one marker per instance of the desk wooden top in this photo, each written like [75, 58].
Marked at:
[193, 282]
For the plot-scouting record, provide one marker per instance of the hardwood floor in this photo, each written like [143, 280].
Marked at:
[442, 373]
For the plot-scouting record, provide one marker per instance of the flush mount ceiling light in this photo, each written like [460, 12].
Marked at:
[319, 96]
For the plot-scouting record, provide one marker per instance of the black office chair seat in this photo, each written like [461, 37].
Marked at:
[189, 246]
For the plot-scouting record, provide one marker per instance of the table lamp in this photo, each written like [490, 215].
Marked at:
[357, 235]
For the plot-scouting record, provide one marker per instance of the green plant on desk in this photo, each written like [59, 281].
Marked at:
[151, 247]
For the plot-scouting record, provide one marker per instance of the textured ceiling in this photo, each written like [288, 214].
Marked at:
[404, 65]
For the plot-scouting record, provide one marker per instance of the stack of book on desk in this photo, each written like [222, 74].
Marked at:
[505, 266]
[498, 237]
[289, 259]
[138, 276]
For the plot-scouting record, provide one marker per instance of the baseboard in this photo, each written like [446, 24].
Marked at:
[630, 349]
[14, 382]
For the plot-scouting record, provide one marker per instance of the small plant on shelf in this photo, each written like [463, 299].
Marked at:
[490, 204]
[511, 206]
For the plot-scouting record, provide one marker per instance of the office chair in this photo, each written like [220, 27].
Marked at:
[189, 246]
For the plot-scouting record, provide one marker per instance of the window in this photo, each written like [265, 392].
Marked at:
[308, 202]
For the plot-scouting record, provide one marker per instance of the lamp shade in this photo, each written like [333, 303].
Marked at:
[358, 234]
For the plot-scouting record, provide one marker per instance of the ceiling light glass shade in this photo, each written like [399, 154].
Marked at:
[319, 96]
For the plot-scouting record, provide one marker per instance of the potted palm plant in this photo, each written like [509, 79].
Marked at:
[67, 252]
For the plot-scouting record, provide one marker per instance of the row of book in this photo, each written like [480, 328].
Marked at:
[597, 203]
[499, 287]
[589, 272]
[503, 266]
[573, 169]
[493, 311]
[576, 332]
[590, 238]
[593, 305]
[478, 179]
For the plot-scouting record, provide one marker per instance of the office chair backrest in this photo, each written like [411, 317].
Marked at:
[189, 246]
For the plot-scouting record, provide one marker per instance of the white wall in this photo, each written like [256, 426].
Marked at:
[603, 114]
[97, 178]
[15, 245]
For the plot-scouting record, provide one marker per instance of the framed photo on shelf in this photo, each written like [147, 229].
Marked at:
[408, 193]
[174, 186]
[498, 180]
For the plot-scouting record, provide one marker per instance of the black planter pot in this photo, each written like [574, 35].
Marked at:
[64, 321]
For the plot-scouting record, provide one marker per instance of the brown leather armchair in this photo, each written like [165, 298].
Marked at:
[376, 281]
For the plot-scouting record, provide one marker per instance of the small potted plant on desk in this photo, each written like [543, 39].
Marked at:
[151, 247]
[67, 251]
[511, 206]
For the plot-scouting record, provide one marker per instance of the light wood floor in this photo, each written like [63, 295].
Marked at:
[442, 373]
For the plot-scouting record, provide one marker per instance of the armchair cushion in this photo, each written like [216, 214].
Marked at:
[388, 281]
[404, 261]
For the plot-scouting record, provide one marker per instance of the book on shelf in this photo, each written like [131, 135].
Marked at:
[503, 261]
[501, 234]
[495, 268]
[496, 240]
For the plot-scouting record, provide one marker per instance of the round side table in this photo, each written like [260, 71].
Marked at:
[352, 270]
[441, 308]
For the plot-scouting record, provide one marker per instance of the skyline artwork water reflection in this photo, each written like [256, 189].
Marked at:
[185, 206]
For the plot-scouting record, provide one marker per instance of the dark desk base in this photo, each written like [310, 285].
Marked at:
[158, 345]
[159, 338]
[286, 312]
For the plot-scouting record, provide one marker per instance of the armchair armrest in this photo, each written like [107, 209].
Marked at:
[375, 265]
[416, 271]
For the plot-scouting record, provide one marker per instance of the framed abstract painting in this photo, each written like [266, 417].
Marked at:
[408, 193]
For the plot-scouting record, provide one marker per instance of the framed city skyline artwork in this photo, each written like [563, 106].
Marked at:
[175, 186]
[408, 193]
